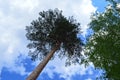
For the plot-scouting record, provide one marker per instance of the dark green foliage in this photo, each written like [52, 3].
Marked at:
[103, 47]
[53, 28]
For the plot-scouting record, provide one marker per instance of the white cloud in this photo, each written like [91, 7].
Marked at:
[65, 72]
[58, 66]
[88, 79]
[28, 5]
[12, 41]
[118, 6]
[16, 14]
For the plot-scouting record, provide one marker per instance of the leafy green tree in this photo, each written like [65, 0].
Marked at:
[103, 47]
[52, 31]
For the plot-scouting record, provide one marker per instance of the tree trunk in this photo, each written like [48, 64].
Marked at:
[39, 68]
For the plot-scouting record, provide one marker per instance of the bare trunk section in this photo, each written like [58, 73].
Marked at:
[39, 68]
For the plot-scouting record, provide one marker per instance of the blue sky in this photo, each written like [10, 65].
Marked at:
[15, 63]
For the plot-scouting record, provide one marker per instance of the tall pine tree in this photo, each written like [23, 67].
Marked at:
[50, 33]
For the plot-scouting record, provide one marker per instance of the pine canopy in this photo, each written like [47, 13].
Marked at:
[53, 28]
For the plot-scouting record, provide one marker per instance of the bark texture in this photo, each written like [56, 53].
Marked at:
[40, 67]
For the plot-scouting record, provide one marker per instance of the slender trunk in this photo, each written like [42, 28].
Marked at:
[39, 68]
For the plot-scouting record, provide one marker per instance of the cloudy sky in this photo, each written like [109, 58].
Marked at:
[15, 63]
